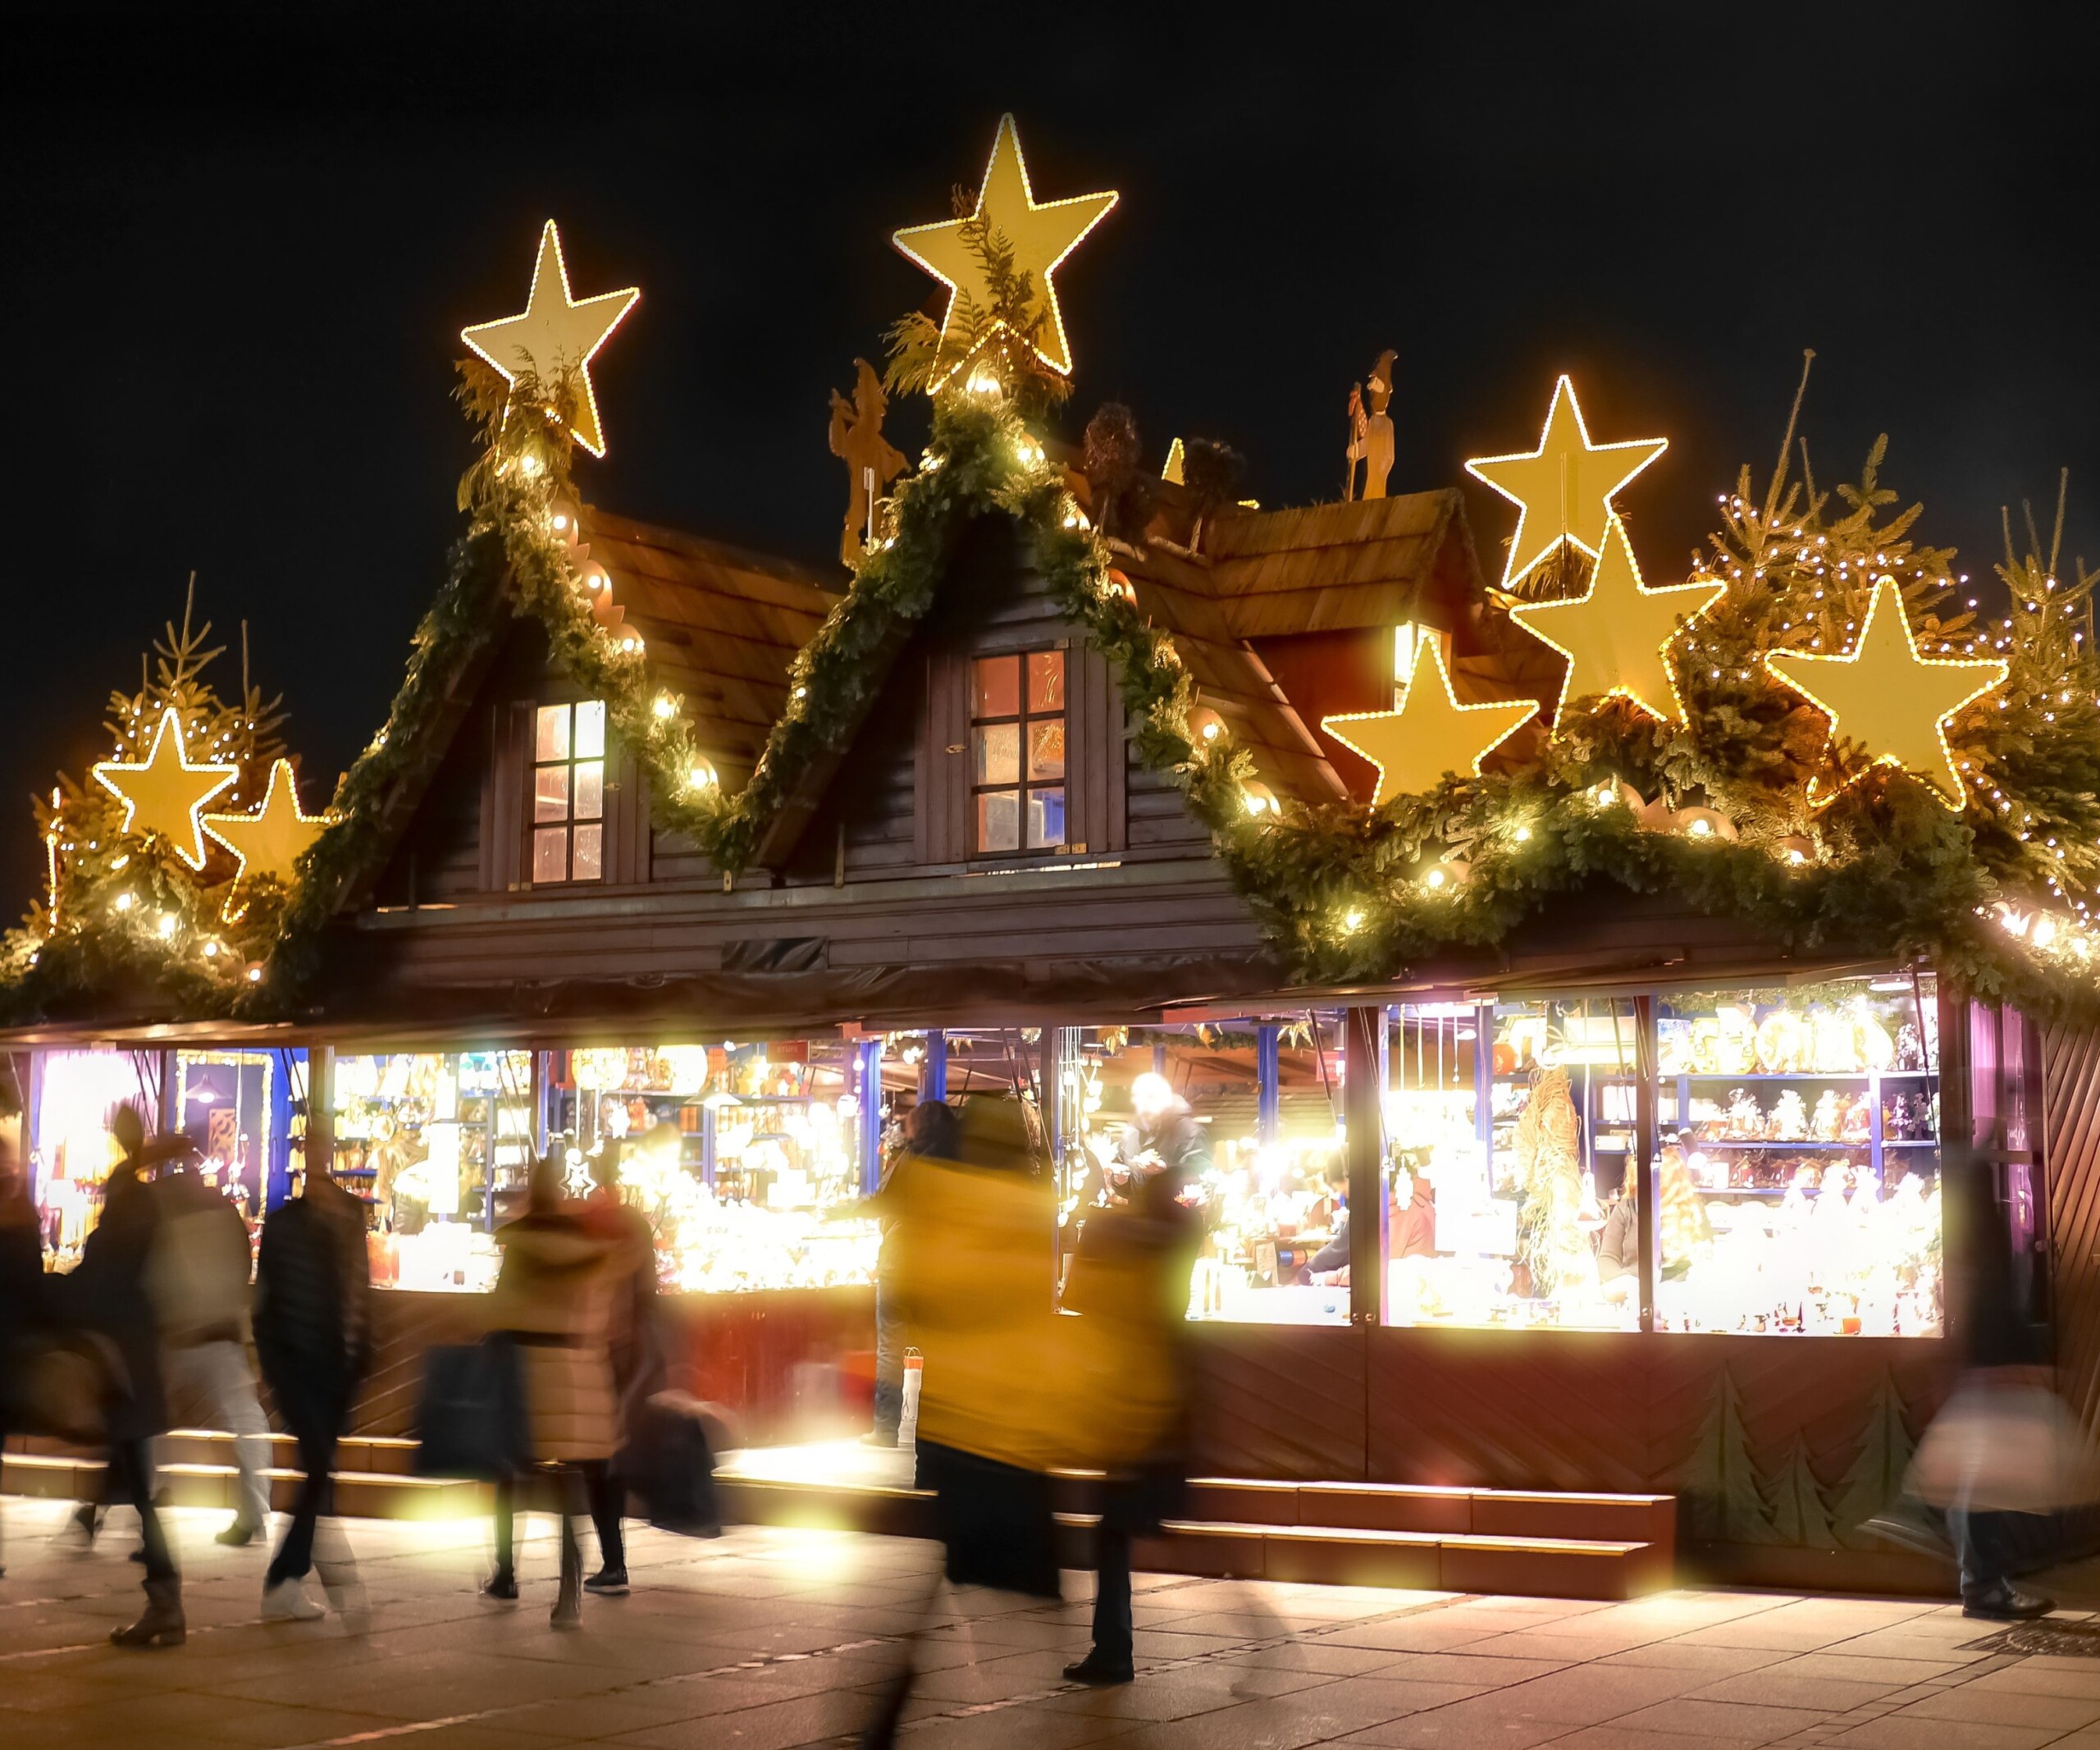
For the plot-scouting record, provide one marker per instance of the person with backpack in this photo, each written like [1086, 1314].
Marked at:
[313, 1330]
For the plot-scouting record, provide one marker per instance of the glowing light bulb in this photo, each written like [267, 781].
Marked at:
[125, 902]
[665, 707]
[165, 923]
[1701, 829]
[1434, 879]
[1522, 835]
[1352, 921]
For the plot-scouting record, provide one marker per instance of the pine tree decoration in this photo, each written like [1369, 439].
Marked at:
[1875, 1479]
[1799, 1514]
[1723, 1503]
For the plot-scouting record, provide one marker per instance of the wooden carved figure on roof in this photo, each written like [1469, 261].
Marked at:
[1371, 433]
[871, 460]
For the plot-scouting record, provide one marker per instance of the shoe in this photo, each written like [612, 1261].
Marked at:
[138, 1555]
[608, 1583]
[287, 1601]
[161, 1623]
[885, 1438]
[502, 1586]
[1919, 1530]
[1098, 1675]
[240, 1534]
[2006, 1602]
[78, 1533]
[346, 1595]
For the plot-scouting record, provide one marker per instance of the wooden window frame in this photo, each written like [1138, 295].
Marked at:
[570, 822]
[1023, 719]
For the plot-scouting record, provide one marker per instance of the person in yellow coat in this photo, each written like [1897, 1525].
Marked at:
[971, 1255]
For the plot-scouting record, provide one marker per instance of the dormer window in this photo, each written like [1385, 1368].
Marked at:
[568, 792]
[1017, 751]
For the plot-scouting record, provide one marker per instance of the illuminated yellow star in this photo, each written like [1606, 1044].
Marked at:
[1892, 702]
[271, 841]
[1616, 634]
[555, 332]
[163, 793]
[1431, 733]
[1042, 236]
[1565, 486]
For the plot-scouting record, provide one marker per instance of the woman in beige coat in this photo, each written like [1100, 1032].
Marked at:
[554, 1299]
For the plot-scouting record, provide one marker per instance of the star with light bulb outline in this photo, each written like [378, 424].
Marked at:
[1893, 701]
[271, 839]
[556, 332]
[1430, 734]
[1565, 488]
[164, 794]
[1040, 233]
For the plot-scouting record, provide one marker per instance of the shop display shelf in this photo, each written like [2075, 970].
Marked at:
[1730, 1142]
[1861, 1075]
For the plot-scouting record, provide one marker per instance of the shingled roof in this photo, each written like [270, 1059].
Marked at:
[719, 624]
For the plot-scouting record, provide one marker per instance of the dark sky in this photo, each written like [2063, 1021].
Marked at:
[241, 245]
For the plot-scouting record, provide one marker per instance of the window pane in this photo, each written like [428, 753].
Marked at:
[995, 687]
[590, 790]
[591, 730]
[1045, 681]
[551, 740]
[1045, 749]
[588, 867]
[550, 793]
[998, 821]
[997, 758]
[1046, 818]
[550, 854]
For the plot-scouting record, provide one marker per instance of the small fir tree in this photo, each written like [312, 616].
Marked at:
[1799, 1514]
[1875, 1479]
[1723, 1503]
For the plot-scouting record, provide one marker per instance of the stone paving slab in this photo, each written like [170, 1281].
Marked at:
[774, 1640]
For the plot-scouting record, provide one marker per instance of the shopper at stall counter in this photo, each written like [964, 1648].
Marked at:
[553, 1298]
[1413, 1233]
[200, 1274]
[634, 1345]
[313, 1333]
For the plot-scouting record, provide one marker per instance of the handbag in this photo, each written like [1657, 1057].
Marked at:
[60, 1387]
[471, 1419]
[669, 1462]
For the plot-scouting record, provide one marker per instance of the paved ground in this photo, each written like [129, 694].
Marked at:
[770, 1639]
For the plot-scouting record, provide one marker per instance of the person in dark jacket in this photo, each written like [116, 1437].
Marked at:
[313, 1331]
[109, 1292]
[21, 1274]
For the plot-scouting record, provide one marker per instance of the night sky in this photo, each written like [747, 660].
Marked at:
[242, 245]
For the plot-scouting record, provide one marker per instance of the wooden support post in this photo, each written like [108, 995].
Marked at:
[170, 1120]
[933, 1072]
[1363, 1120]
[320, 1112]
[868, 1055]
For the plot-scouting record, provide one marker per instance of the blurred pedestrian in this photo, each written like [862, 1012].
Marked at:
[21, 1286]
[199, 1275]
[313, 1331]
[634, 1345]
[109, 1292]
[930, 1133]
[974, 1267]
[553, 1299]
[1130, 1285]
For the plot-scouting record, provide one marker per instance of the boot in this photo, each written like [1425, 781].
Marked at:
[161, 1623]
[568, 1602]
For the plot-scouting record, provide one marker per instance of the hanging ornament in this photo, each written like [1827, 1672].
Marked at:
[556, 333]
[1565, 487]
[163, 794]
[1041, 235]
[1616, 634]
[1892, 702]
[1431, 733]
[271, 841]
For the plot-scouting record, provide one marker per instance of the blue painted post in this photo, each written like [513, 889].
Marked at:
[1159, 1060]
[933, 1076]
[868, 1053]
[1268, 1088]
[277, 1150]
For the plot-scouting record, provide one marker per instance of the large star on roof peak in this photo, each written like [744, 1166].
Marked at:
[271, 840]
[1041, 234]
[1565, 486]
[555, 332]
